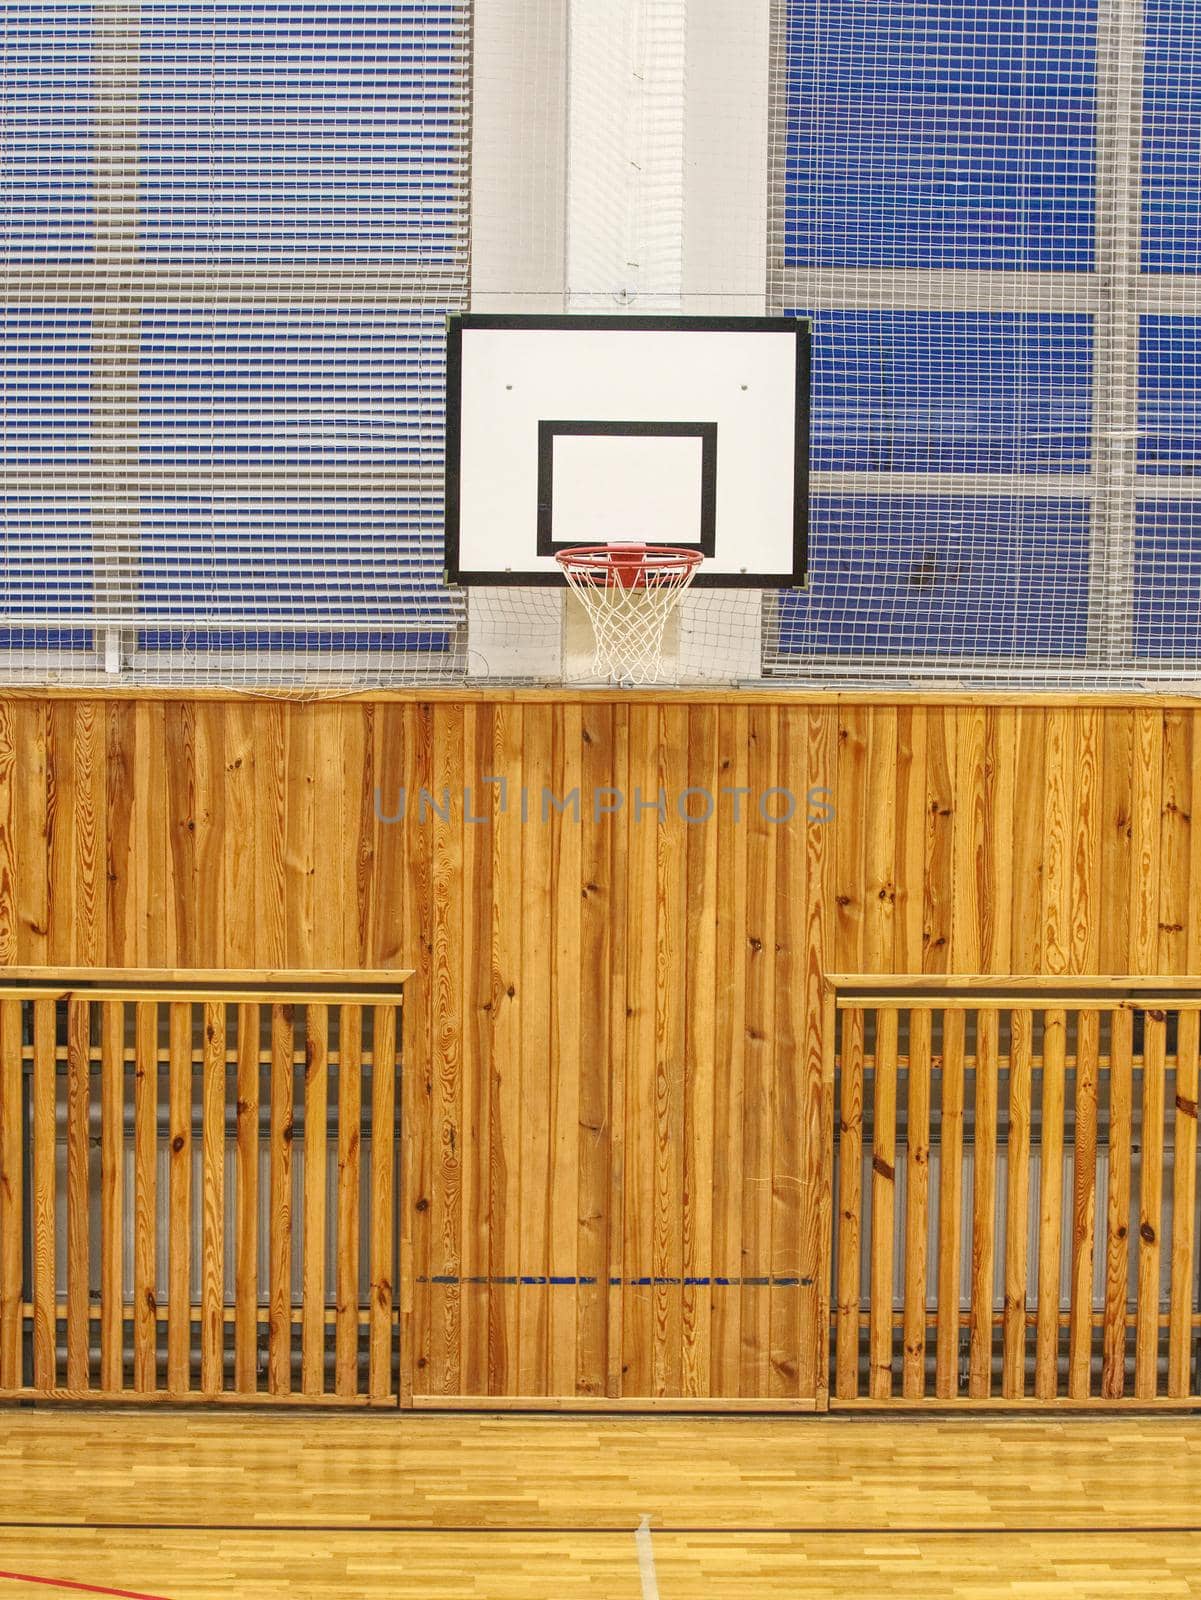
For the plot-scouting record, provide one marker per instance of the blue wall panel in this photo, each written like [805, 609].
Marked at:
[941, 133]
[951, 391]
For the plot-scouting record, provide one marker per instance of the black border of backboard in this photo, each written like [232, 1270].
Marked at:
[706, 432]
[797, 326]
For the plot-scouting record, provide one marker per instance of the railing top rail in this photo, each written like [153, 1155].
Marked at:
[1038, 992]
[263, 984]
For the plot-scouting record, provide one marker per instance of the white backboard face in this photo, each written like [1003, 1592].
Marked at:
[567, 431]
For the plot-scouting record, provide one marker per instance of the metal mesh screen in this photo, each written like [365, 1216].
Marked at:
[992, 213]
[231, 234]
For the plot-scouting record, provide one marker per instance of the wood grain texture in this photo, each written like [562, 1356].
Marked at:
[614, 1047]
[45, 1120]
[950, 1202]
[179, 1199]
[1117, 1250]
[1084, 1204]
[1017, 1202]
[850, 1204]
[1150, 1206]
[1181, 1337]
[79, 1068]
[884, 1157]
[984, 1207]
[12, 1220]
[1050, 1222]
[917, 1204]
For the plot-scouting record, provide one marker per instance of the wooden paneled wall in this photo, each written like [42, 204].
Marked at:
[613, 1080]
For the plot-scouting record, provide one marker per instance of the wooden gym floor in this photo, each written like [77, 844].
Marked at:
[178, 1506]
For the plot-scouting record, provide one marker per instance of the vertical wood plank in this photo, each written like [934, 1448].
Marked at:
[850, 842]
[212, 837]
[246, 1266]
[212, 1325]
[1050, 1224]
[121, 764]
[445, 1156]
[1175, 842]
[819, 1048]
[1058, 807]
[969, 843]
[638, 1338]
[984, 1207]
[279, 1346]
[950, 1204]
[241, 841]
[1017, 1198]
[1027, 943]
[505, 1106]
[699, 944]
[180, 822]
[1084, 1205]
[1117, 803]
[45, 1315]
[1150, 1220]
[112, 1181]
[29, 827]
[1117, 1249]
[477, 988]
[145, 1285]
[60, 853]
[597, 1048]
[850, 1205]
[566, 1148]
[9, 832]
[179, 1227]
[1085, 901]
[880, 885]
[350, 1117]
[11, 1193]
[272, 725]
[884, 1158]
[910, 836]
[383, 1199]
[1184, 1207]
[728, 1088]
[316, 1138]
[1000, 820]
[917, 1203]
[88, 802]
[619, 847]
[78, 1111]
[1144, 880]
[938, 897]
[759, 1111]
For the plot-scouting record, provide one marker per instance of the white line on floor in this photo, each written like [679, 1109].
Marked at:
[646, 1560]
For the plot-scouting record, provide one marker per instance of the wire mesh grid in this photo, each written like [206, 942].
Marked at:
[231, 234]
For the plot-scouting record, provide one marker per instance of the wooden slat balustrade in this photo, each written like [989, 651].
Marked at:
[181, 1209]
[1058, 1265]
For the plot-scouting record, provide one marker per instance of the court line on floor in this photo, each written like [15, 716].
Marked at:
[646, 1559]
[620, 1530]
[85, 1588]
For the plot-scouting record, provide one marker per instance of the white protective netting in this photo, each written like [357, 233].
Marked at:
[990, 212]
[231, 234]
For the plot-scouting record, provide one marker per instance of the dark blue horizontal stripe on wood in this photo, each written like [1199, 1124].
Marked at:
[521, 1280]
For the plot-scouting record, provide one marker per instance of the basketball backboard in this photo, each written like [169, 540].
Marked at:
[577, 430]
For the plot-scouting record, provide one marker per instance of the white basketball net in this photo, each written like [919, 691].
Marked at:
[629, 593]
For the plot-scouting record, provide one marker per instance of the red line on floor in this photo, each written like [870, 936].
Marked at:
[87, 1588]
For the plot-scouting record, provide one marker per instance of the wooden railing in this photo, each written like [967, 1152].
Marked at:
[198, 1185]
[1016, 1194]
